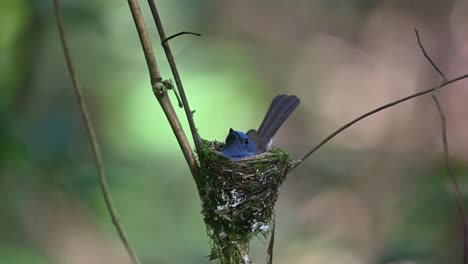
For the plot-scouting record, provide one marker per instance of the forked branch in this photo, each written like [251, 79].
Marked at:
[376, 110]
[175, 72]
[461, 206]
[158, 89]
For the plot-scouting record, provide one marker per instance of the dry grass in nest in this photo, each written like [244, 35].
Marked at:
[238, 198]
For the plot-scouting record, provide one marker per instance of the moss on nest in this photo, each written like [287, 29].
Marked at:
[238, 198]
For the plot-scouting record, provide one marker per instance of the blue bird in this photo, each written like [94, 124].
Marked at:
[240, 145]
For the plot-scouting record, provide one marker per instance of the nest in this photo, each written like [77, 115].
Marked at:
[238, 198]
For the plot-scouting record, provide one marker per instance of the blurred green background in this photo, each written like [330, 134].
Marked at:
[378, 193]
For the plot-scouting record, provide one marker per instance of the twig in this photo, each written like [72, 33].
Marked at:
[93, 138]
[175, 72]
[452, 177]
[338, 131]
[427, 56]
[163, 41]
[244, 255]
[161, 95]
[378, 109]
[272, 242]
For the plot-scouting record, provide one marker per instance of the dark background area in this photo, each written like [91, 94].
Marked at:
[377, 193]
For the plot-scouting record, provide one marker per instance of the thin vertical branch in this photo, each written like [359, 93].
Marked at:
[244, 255]
[271, 244]
[453, 179]
[93, 138]
[175, 72]
[461, 206]
[153, 68]
[156, 82]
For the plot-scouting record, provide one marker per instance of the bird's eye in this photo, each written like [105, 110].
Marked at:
[246, 141]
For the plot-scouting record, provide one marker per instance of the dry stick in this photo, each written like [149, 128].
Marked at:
[92, 137]
[163, 98]
[453, 178]
[175, 72]
[383, 107]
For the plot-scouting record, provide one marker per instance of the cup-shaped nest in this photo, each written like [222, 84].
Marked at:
[238, 197]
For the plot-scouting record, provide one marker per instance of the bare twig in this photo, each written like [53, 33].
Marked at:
[452, 177]
[378, 109]
[158, 85]
[428, 57]
[93, 138]
[175, 72]
[272, 242]
[245, 256]
[341, 129]
[163, 41]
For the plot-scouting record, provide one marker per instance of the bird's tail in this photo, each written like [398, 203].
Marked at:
[280, 109]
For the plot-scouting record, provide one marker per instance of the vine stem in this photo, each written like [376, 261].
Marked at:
[92, 137]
